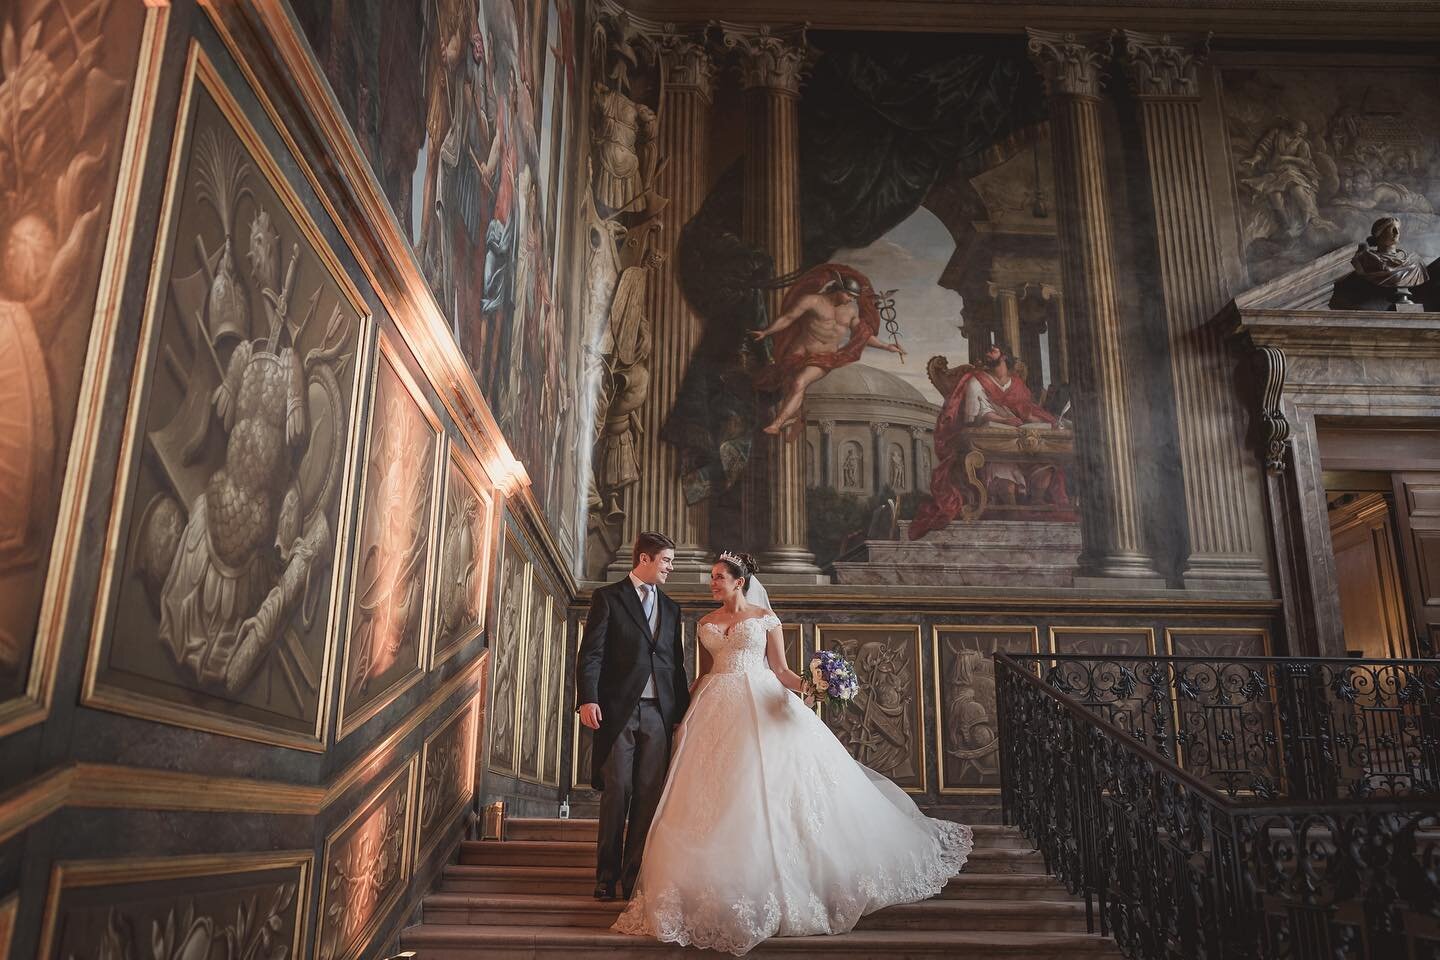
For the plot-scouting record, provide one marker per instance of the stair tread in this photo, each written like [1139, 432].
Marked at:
[566, 902]
[525, 872]
[440, 933]
[990, 829]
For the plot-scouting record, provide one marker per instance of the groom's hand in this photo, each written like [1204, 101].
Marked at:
[590, 715]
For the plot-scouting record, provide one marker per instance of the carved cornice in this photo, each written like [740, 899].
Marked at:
[769, 59]
[684, 60]
[1070, 63]
[1161, 65]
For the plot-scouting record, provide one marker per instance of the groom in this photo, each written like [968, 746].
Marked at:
[631, 687]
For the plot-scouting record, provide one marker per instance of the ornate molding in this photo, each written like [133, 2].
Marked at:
[1161, 65]
[768, 59]
[1275, 429]
[1070, 63]
[827, 426]
[917, 433]
[684, 60]
[878, 429]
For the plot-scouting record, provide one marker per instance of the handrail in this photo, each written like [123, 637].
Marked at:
[1088, 716]
[1173, 867]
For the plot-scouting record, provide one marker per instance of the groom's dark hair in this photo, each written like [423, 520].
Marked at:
[649, 545]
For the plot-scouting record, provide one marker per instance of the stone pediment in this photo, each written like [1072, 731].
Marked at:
[1291, 312]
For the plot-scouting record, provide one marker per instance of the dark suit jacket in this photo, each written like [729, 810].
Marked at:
[617, 657]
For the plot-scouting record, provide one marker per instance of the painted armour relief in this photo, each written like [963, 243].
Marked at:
[448, 778]
[386, 641]
[239, 434]
[556, 713]
[509, 636]
[882, 727]
[966, 721]
[532, 681]
[1319, 154]
[243, 906]
[64, 105]
[464, 553]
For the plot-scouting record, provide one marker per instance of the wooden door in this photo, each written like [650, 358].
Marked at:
[1417, 520]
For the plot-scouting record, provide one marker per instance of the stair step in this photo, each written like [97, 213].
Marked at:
[464, 942]
[584, 911]
[525, 829]
[509, 880]
[576, 853]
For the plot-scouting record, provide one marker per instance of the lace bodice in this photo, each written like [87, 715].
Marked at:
[741, 648]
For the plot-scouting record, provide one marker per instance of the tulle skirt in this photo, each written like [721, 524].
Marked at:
[767, 827]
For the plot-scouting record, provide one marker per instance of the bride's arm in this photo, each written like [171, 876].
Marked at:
[775, 654]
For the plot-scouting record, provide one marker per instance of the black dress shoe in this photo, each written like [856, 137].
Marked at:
[605, 891]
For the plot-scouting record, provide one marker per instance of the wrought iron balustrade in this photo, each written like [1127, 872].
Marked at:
[1246, 808]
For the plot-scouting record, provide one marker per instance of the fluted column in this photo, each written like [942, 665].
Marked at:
[683, 143]
[1111, 522]
[917, 443]
[771, 65]
[1222, 548]
[1059, 328]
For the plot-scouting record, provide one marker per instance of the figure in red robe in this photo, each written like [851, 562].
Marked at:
[826, 321]
[990, 395]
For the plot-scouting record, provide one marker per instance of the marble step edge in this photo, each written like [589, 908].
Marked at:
[578, 848]
[1030, 944]
[586, 875]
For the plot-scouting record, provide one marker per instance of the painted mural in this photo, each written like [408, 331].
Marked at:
[918, 358]
[1319, 155]
[65, 98]
[227, 527]
[464, 110]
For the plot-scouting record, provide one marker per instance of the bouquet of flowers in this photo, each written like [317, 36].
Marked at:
[832, 680]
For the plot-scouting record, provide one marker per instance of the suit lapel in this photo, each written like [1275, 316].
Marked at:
[631, 600]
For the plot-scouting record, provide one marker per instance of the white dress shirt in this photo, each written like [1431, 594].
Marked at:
[640, 588]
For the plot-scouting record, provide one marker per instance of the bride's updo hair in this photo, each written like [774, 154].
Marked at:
[741, 566]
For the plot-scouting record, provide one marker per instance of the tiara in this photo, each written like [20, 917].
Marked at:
[729, 557]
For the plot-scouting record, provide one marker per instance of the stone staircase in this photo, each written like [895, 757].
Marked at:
[529, 896]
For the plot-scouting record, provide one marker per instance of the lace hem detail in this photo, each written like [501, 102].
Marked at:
[703, 919]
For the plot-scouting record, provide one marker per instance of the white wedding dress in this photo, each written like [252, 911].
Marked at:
[767, 826]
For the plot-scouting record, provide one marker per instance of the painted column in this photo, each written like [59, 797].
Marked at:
[771, 65]
[827, 453]
[1007, 314]
[918, 481]
[1111, 522]
[1222, 551]
[877, 447]
[658, 502]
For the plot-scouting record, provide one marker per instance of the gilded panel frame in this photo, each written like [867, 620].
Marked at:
[462, 459]
[201, 73]
[407, 770]
[70, 874]
[921, 753]
[1031, 632]
[32, 706]
[389, 354]
[472, 707]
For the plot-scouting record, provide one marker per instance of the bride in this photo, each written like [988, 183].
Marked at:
[767, 826]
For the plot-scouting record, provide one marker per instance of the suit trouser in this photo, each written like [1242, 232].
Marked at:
[634, 778]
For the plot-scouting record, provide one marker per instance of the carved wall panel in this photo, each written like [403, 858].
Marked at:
[217, 610]
[532, 715]
[1220, 642]
[966, 730]
[794, 647]
[463, 574]
[513, 605]
[9, 907]
[366, 866]
[178, 907]
[68, 175]
[385, 638]
[884, 726]
[447, 779]
[1103, 641]
[556, 712]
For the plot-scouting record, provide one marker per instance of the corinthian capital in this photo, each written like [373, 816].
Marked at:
[684, 59]
[768, 60]
[1071, 63]
[1160, 65]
